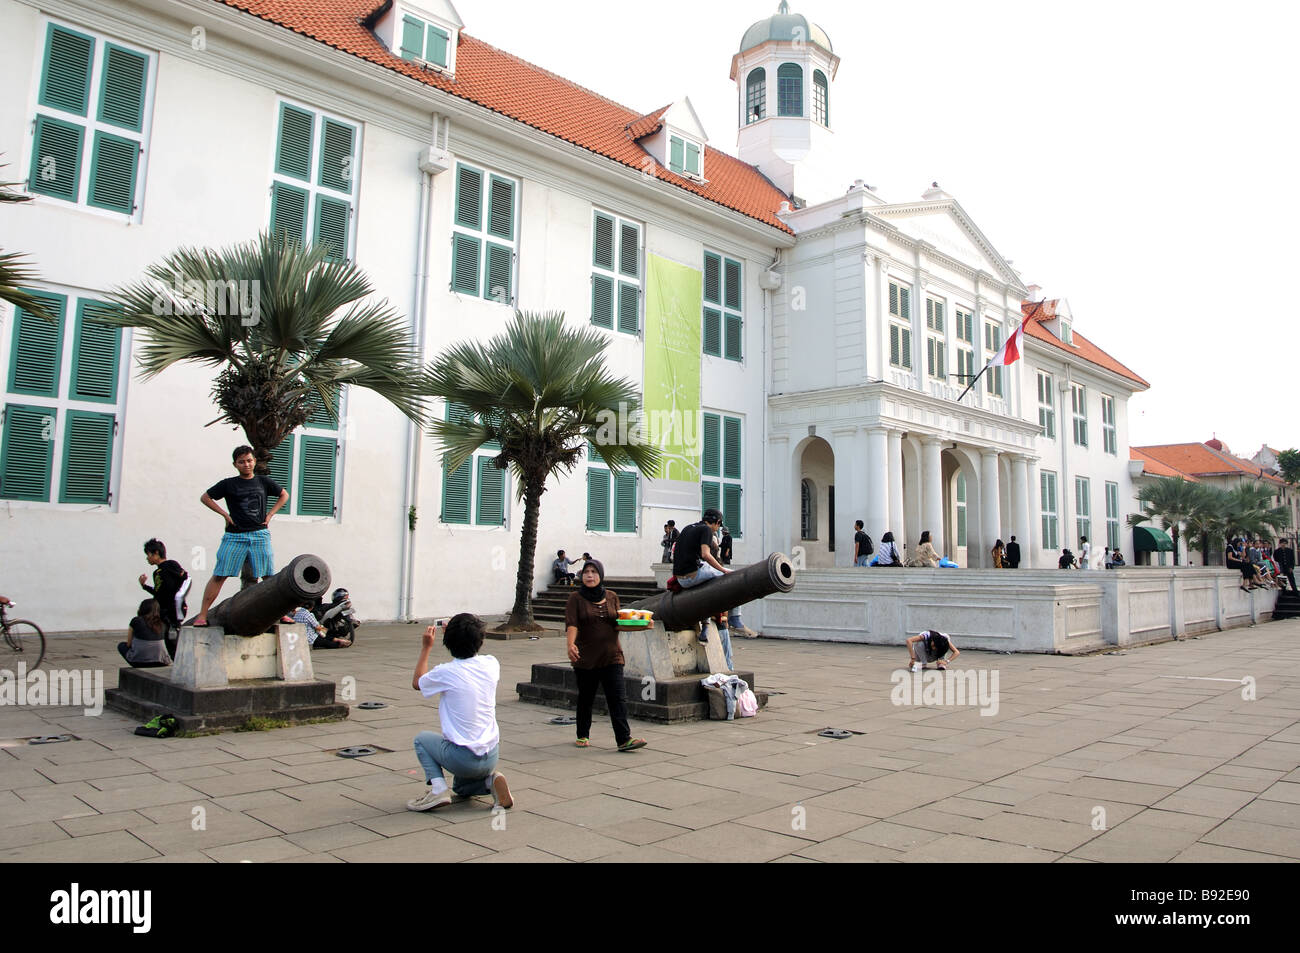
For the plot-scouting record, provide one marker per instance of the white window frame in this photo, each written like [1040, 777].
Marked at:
[685, 170]
[1109, 435]
[484, 237]
[312, 186]
[993, 344]
[900, 324]
[614, 274]
[1047, 485]
[338, 433]
[965, 333]
[1083, 508]
[1079, 409]
[1112, 515]
[1046, 405]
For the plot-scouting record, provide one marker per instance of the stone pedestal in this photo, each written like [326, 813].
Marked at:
[221, 681]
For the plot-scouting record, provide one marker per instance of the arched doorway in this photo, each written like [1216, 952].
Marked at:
[816, 503]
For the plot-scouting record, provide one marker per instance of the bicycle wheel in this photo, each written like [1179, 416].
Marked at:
[27, 642]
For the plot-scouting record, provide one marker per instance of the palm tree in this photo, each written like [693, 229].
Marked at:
[1170, 500]
[267, 313]
[15, 269]
[1249, 511]
[541, 390]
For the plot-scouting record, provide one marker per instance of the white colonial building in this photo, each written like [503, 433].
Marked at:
[800, 341]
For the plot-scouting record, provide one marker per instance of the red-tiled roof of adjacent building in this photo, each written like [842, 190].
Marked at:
[1202, 460]
[1154, 467]
[528, 94]
[1040, 311]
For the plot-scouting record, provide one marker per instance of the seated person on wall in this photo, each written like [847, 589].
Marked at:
[888, 555]
[560, 569]
[930, 646]
[145, 645]
[1067, 560]
[925, 557]
[693, 559]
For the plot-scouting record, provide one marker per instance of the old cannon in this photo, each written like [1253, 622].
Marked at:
[683, 610]
[254, 610]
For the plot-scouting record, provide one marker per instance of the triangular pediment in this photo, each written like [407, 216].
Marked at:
[683, 118]
[945, 225]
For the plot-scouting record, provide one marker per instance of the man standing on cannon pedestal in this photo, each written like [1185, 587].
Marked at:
[246, 534]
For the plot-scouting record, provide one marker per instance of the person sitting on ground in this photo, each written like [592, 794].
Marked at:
[317, 635]
[930, 646]
[469, 744]
[997, 554]
[170, 585]
[1114, 559]
[560, 569]
[145, 645]
[925, 557]
[337, 616]
[888, 555]
[1067, 560]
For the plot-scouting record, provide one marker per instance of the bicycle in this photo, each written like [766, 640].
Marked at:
[24, 638]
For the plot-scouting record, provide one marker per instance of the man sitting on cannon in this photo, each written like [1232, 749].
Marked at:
[693, 559]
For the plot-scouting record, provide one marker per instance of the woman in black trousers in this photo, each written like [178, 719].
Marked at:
[591, 628]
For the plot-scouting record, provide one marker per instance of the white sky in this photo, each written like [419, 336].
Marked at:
[1137, 158]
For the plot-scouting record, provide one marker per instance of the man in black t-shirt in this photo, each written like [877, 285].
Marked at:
[170, 584]
[693, 561]
[862, 547]
[246, 536]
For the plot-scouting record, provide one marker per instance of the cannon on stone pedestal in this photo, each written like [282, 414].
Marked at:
[683, 610]
[252, 611]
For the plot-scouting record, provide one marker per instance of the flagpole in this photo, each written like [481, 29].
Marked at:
[974, 381]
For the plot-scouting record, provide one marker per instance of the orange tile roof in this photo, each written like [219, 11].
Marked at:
[528, 94]
[1154, 467]
[1202, 460]
[1040, 311]
[647, 125]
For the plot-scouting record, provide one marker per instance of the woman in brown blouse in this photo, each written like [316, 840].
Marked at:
[591, 627]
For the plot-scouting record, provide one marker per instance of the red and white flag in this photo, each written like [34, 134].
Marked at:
[1011, 350]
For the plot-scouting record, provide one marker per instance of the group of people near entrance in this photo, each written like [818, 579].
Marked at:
[251, 500]
[1261, 566]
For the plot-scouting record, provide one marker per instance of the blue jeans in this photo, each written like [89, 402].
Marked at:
[701, 575]
[861, 560]
[724, 636]
[469, 771]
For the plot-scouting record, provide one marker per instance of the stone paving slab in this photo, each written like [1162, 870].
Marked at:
[1186, 770]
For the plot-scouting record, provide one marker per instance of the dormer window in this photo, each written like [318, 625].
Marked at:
[424, 41]
[1067, 333]
[685, 157]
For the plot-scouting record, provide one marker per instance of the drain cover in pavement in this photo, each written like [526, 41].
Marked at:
[50, 739]
[357, 751]
[370, 705]
[835, 733]
[564, 720]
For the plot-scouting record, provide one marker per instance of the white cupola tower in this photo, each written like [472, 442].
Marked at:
[784, 71]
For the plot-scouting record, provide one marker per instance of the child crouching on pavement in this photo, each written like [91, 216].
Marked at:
[469, 741]
[928, 647]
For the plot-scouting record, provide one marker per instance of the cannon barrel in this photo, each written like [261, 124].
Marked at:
[682, 610]
[254, 610]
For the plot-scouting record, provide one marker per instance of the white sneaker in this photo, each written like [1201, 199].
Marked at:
[914, 667]
[429, 801]
[501, 791]
[744, 631]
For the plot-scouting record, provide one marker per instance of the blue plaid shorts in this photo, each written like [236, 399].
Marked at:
[235, 546]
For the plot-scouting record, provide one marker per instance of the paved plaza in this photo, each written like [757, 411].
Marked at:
[1152, 754]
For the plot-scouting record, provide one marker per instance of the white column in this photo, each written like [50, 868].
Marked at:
[990, 518]
[848, 486]
[1020, 524]
[896, 525]
[932, 480]
[1032, 544]
[779, 493]
[877, 517]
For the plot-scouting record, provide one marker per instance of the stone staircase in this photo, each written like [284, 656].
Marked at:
[548, 605]
[1288, 605]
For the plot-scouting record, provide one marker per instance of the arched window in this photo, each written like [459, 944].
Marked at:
[821, 99]
[756, 96]
[808, 511]
[789, 90]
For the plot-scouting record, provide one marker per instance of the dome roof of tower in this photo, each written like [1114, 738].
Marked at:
[785, 27]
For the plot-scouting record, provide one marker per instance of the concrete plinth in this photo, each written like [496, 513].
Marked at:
[221, 681]
[673, 699]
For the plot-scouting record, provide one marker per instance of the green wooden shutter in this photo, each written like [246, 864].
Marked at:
[26, 453]
[121, 95]
[498, 273]
[412, 38]
[893, 298]
[501, 208]
[491, 494]
[732, 296]
[66, 81]
[712, 278]
[598, 500]
[319, 414]
[692, 158]
[905, 302]
[731, 494]
[456, 492]
[602, 301]
[625, 502]
[95, 351]
[675, 156]
[464, 264]
[56, 159]
[602, 242]
[894, 349]
[38, 348]
[87, 457]
[469, 197]
[713, 332]
[332, 226]
[629, 300]
[712, 457]
[113, 165]
[289, 211]
[733, 337]
[280, 468]
[336, 161]
[316, 480]
[629, 250]
[731, 446]
[711, 496]
[293, 150]
[436, 50]
[907, 348]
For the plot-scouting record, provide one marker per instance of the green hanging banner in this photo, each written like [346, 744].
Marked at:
[673, 302]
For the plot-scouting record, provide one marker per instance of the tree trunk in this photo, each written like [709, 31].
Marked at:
[522, 613]
[1175, 535]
